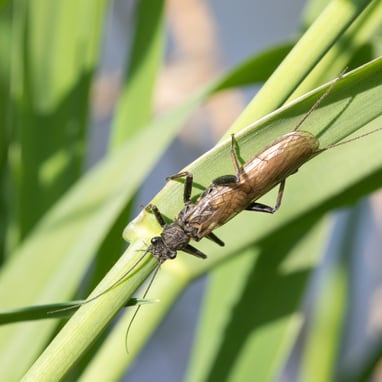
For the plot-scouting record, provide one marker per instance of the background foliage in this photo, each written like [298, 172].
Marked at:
[61, 225]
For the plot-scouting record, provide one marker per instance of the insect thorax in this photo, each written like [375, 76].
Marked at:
[172, 238]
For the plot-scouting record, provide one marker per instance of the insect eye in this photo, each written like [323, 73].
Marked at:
[155, 240]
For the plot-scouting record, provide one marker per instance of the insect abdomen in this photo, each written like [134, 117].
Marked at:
[257, 176]
[277, 161]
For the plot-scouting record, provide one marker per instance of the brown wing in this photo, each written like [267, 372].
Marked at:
[269, 167]
[214, 209]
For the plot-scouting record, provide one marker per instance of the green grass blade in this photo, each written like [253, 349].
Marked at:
[135, 105]
[50, 311]
[51, 70]
[349, 51]
[5, 48]
[328, 319]
[64, 243]
[258, 310]
[133, 112]
[322, 35]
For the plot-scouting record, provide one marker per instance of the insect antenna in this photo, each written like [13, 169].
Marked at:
[317, 103]
[349, 140]
[116, 283]
[139, 306]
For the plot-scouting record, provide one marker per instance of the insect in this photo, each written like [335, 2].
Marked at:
[228, 195]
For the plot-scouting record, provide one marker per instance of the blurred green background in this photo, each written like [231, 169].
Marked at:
[104, 99]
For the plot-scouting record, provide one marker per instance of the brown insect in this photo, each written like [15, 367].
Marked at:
[228, 195]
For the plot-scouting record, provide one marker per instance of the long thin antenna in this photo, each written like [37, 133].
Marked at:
[139, 306]
[317, 103]
[349, 140]
[119, 281]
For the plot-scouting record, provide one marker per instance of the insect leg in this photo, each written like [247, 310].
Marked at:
[157, 214]
[215, 239]
[193, 251]
[317, 103]
[187, 184]
[229, 179]
[259, 207]
[235, 161]
[224, 180]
